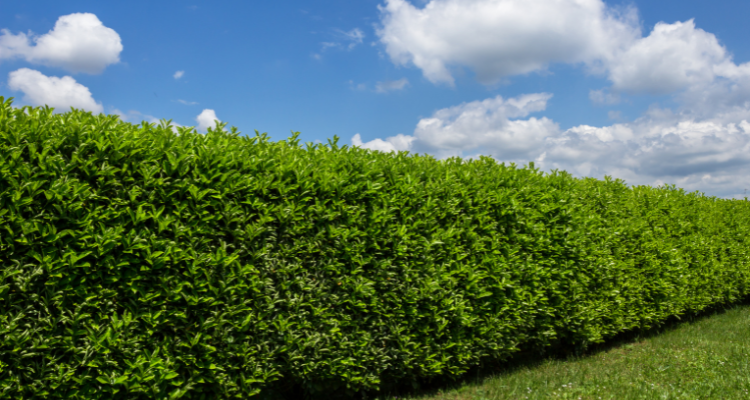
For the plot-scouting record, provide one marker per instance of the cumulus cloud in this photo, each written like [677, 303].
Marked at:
[502, 38]
[207, 118]
[704, 144]
[494, 125]
[60, 93]
[672, 58]
[726, 97]
[178, 74]
[78, 43]
[710, 155]
[389, 86]
[393, 143]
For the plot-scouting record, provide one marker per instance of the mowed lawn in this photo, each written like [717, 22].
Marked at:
[705, 358]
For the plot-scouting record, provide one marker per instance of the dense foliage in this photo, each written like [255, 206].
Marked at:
[136, 261]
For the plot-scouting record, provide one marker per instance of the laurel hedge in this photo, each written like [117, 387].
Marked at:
[140, 262]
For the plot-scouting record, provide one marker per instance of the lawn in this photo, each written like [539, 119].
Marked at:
[706, 357]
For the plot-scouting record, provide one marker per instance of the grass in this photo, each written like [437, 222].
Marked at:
[707, 357]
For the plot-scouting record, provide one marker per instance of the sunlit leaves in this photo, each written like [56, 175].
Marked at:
[140, 263]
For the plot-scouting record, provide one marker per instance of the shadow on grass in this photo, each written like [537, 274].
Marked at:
[535, 358]
[524, 359]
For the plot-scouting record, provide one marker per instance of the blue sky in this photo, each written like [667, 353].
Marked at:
[650, 92]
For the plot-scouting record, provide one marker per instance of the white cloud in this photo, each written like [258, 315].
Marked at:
[672, 58]
[187, 103]
[207, 118]
[393, 143]
[60, 93]
[78, 43]
[178, 74]
[710, 155]
[727, 96]
[690, 63]
[704, 144]
[490, 124]
[502, 38]
[388, 86]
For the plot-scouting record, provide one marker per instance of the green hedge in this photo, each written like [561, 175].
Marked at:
[137, 262]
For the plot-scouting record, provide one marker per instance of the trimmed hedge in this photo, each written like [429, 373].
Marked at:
[136, 262]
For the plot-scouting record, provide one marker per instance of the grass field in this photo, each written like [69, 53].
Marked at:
[707, 357]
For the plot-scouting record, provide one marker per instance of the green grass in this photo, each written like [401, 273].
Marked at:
[705, 358]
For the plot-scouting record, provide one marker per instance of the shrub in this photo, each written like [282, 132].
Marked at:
[140, 262]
